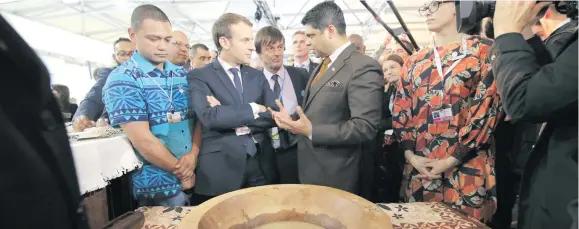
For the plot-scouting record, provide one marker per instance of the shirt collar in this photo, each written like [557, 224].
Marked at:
[563, 23]
[339, 51]
[147, 67]
[225, 65]
[305, 63]
[279, 72]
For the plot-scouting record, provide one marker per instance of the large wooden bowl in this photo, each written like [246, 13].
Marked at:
[253, 207]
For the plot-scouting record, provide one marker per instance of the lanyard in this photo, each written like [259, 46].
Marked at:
[170, 97]
[280, 96]
[438, 61]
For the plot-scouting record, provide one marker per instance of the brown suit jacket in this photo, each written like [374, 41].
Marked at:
[345, 108]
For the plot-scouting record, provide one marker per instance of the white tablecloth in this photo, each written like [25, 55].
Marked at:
[98, 161]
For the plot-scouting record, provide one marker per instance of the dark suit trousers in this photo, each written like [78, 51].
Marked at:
[253, 177]
[287, 165]
[366, 187]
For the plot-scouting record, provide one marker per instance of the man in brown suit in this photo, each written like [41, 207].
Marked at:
[342, 104]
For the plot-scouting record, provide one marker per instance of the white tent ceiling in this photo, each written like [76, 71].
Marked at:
[107, 20]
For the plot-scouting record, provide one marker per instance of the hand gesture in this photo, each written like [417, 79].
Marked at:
[82, 122]
[302, 126]
[280, 115]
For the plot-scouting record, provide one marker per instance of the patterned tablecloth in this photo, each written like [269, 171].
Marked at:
[410, 215]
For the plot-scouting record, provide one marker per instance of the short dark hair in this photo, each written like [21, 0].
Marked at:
[476, 29]
[64, 99]
[490, 29]
[396, 59]
[121, 39]
[147, 11]
[325, 14]
[266, 36]
[194, 48]
[221, 26]
[95, 73]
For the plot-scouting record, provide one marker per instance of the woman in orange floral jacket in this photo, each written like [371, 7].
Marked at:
[445, 110]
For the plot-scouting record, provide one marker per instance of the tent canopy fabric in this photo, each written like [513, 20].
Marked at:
[107, 20]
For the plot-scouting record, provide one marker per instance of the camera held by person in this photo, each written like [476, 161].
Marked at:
[538, 83]
[469, 13]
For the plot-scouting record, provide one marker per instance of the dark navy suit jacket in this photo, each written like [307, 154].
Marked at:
[92, 105]
[222, 157]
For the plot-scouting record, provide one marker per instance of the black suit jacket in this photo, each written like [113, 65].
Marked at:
[313, 67]
[92, 105]
[222, 157]
[299, 80]
[535, 91]
[36, 165]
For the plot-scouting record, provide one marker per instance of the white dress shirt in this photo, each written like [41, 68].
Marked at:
[563, 23]
[227, 67]
[304, 65]
[337, 53]
[288, 94]
[333, 57]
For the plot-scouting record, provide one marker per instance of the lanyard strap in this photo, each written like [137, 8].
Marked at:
[438, 61]
[170, 97]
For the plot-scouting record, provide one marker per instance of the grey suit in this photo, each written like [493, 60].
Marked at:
[345, 108]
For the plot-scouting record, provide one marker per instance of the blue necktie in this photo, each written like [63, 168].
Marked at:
[250, 145]
[237, 82]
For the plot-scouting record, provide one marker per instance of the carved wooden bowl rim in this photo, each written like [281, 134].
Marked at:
[232, 211]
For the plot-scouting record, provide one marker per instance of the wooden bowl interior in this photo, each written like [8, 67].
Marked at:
[322, 206]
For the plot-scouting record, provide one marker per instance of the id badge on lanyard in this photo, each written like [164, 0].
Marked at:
[445, 112]
[172, 116]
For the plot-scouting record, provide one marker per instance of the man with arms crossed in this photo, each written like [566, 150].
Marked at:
[148, 97]
[342, 106]
[229, 98]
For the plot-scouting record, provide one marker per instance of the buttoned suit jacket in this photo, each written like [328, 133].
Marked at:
[345, 108]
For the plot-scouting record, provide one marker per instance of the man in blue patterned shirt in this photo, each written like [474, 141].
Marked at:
[148, 98]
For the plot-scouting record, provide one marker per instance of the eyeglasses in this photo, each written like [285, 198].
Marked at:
[180, 44]
[124, 54]
[432, 7]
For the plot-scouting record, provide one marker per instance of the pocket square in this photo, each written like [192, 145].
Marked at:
[333, 83]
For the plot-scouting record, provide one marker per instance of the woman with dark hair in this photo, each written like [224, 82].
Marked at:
[62, 94]
[390, 160]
